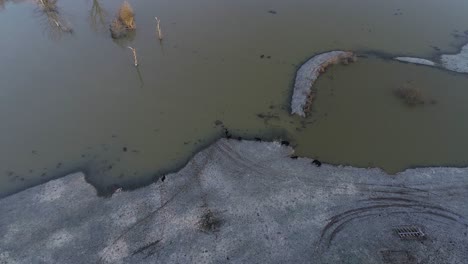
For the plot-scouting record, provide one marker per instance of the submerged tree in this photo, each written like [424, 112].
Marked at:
[56, 23]
[97, 16]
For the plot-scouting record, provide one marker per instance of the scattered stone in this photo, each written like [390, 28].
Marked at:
[317, 163]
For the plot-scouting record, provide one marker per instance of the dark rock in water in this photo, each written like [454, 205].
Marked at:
[218, 122]
[113, 188]
[272, 12]
[227, 134]
[268, 57]
[258, 139]
[285, 143]
[262, 56]
[163, 178]
[124, 149]
[317, 163]
[294, 157]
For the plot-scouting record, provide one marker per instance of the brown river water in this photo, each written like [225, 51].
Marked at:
[76, 102]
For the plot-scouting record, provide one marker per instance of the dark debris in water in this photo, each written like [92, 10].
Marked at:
[267, 117]
[265, 56]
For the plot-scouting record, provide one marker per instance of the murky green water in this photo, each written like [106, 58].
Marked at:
[76, 101]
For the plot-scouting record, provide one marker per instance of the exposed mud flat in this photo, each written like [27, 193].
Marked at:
[309, 72]
[453, 62]
[245, 202]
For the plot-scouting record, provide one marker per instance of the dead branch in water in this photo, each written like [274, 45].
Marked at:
[135, 60]
[158, 22]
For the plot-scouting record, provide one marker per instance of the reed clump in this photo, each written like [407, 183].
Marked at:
[124, 21]
[127, 16]
[410, 95]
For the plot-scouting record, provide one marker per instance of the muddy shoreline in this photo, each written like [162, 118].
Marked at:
[106, 190]
[239, 201]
